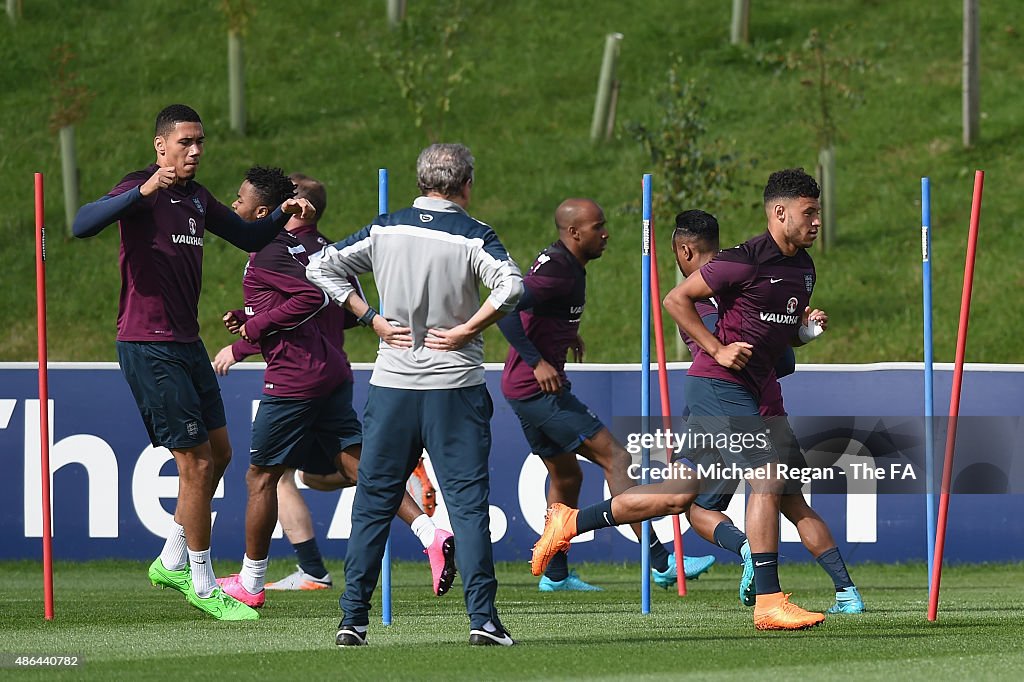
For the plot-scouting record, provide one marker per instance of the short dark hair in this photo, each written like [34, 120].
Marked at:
[791, 183]
[271, 184]
[696, 226]
[174, 114]
[312, 190]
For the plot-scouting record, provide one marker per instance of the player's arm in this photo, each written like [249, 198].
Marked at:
[224, 222]
[335, 269]
[537, 288]
[499, 273]
[511, 327]
[681, 305]
[303, 301]
[92, 218]
[813, 324]
[230, 355]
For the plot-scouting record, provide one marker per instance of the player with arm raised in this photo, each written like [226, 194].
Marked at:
[305, 419]
[164, 215]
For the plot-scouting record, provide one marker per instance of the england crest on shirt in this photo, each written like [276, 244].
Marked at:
[198, 205]
[809, 282]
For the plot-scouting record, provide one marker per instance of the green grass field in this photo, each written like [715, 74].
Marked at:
[318, 104]
[125, 629]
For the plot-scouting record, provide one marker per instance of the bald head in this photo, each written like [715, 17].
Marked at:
[570, 211]
[581, 227]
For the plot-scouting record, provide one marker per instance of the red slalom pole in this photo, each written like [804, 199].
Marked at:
[44, 399]
[954, 398]
[666, 404]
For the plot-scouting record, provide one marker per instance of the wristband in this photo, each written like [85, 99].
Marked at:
[366, 319]
[810, 331]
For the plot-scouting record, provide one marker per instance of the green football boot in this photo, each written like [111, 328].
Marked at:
[221, 605]
[163, 577]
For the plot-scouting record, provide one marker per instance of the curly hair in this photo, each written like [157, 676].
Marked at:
[791, 183]
[271, 184]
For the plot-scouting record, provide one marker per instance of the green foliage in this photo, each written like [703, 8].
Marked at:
[820, 69]
[692, 171]
[319, 105]
[423, 59]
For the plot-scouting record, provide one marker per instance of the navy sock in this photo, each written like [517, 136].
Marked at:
[659, 555]
[728, 536]
[558, 568]
[594, 517]
[834, 565]
[766, 572]
[310, 560]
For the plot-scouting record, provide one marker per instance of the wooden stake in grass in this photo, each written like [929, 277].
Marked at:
[599, 125]
[972, 74]
[237, 13]
[14, 10]
[396, 12]
[739, 33]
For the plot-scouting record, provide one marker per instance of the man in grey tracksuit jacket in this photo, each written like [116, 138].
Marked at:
[427, 389]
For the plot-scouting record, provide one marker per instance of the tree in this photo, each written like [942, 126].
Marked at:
[421, 56]
[817, 67]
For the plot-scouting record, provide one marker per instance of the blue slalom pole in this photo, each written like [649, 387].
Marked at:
[385, 574]
[929, 412]
[645, 388]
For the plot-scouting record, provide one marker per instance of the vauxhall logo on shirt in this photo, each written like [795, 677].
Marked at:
[189, 239]
[781, 318]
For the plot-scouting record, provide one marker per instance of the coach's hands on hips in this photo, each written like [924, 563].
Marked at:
[449, 339]
[735, 355]
[818, 316]
[396, 337]
[299, 207]
[161, 179]
[223, 361]
[547, 377]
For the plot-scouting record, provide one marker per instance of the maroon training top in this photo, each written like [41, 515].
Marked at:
[761, 296]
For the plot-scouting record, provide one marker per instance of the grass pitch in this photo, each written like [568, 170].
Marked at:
[107, 613]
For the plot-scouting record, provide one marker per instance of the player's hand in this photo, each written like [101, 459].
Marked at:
[299, 207]
[547, 377]
[231, 322]
[161, 179]
[819, 316]
[578, 348]
[244, 335]
[396, 337]
[448, 339]
[223, 361]
[735, 355]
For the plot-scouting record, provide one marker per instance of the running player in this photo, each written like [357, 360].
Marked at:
[164, 215]
[760, 286]
[305, 418]
[556, 424]
[695, 242]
